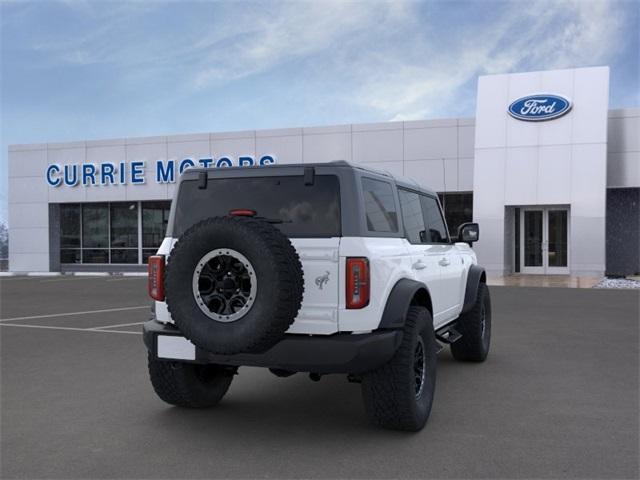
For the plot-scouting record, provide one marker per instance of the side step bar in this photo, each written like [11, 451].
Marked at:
[447, 335]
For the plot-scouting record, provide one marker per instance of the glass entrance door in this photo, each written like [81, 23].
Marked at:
[532, 235]
[557, 241]
[544, 240]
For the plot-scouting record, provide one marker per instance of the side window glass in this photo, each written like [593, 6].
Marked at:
[436, 229]
[412, 217]
[380, 207]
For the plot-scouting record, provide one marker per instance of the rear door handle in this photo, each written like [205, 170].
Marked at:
[444, 262]
[419, 265]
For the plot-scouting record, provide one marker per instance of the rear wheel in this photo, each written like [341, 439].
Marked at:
[399, 395]
[189, 384]
[475, 328]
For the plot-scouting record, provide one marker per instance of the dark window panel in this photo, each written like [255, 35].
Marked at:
[124, 255]
[95, 225]
[70, 255]
[305, 210]
[623, 231]
[95, 256]
[517, 240]
[147, 253]
[70, 225]
[124, 225]
[412, 217]
[155, 216]
[458, 209]
[380, 207]
[436, 229]
[533, 238]
[558, 238]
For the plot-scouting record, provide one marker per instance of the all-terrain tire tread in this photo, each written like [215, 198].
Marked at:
[385, 389]
[176, 384]
[470, 347]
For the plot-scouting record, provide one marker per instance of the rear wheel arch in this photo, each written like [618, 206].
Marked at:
[422, 298]
[404, 294]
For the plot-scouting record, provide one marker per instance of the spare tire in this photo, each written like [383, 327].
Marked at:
[234, 284]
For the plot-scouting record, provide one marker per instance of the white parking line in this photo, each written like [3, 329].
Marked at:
[114, 326]
[124, 278]
[88, 312]
[71, 279]
[47, 327]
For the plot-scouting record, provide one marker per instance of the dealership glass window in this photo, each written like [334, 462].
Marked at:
[95, 225]
[95, 255]
[517, 240]
[436, 229]
[124, 232]
[380, 207]
[155, 216]
[458, 209]
[110, 233]
[70, 238]
[124, 255]
[558, 238]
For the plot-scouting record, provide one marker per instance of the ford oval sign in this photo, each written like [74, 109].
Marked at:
[536, 108]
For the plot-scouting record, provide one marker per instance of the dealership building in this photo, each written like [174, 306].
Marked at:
[550, 173]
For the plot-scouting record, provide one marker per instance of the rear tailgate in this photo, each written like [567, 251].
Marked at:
[320, 264]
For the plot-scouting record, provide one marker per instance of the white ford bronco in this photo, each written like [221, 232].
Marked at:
[318, 268]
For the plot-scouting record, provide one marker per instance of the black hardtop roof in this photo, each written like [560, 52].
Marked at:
[324, 166]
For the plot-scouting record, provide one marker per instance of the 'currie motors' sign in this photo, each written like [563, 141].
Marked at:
[135, 172]
[537, 108]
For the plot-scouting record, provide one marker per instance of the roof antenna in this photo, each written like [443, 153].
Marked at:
[202, 180]
[444, 183]
[309, 175]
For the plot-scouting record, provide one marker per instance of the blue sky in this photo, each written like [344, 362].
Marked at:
[74, 70]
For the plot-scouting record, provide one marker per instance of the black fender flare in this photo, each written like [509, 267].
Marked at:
[399, 300]
[476, 276]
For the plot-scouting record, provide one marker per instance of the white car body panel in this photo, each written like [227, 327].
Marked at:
[318, 314]
[389, 261]
[323, 310]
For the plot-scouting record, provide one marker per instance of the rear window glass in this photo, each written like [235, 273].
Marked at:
[380, 206]
[304, 210]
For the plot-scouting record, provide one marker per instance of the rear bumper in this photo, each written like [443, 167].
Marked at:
[339, 353]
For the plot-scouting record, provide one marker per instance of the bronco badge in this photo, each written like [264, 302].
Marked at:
[322, 280]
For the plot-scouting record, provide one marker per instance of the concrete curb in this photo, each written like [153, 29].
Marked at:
[90, 274]
[73, 274]
[109, 274]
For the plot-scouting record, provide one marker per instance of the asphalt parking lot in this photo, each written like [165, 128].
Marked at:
[557, 398]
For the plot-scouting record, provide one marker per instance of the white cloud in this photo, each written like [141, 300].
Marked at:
[539, 35]
[286, 32]
[389, 57]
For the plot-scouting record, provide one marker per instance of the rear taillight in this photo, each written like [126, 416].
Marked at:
[156, 277]
[357, 282]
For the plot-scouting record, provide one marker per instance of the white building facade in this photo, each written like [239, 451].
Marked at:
[550, 173]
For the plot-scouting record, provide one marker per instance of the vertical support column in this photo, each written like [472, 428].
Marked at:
[54, 237]
[140, 233]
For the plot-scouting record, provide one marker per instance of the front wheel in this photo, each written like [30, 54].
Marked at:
[475, 327]
[399, 395]
[188, 384]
